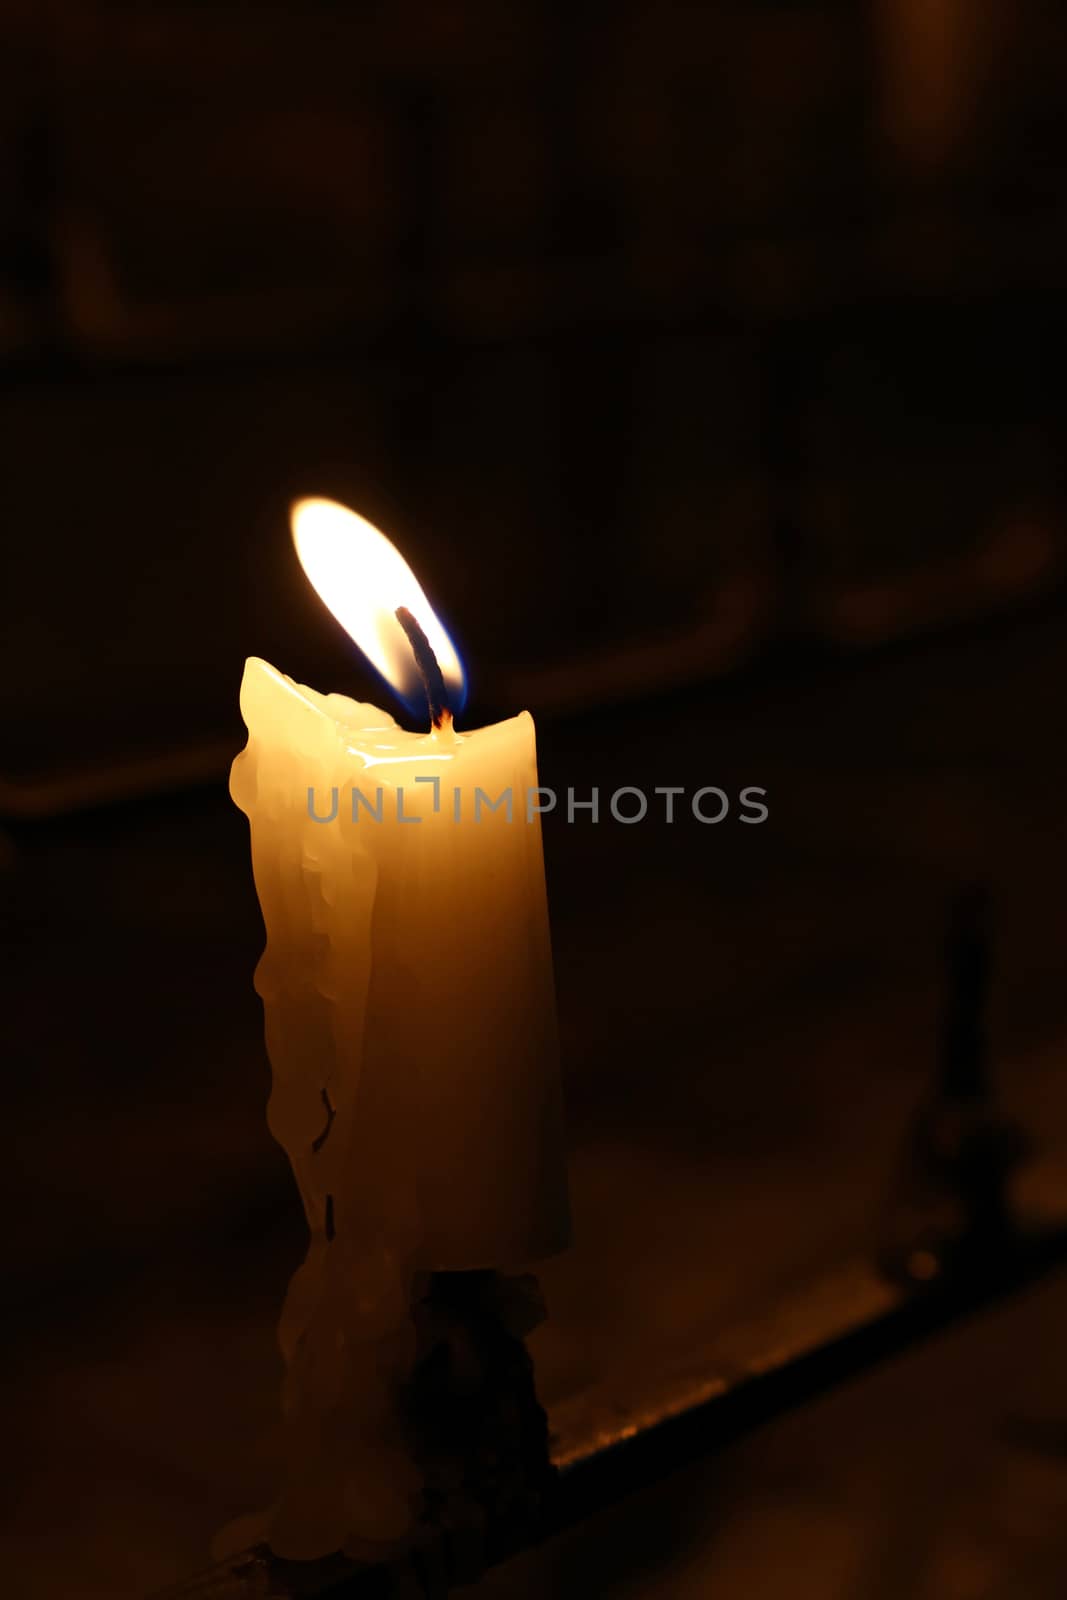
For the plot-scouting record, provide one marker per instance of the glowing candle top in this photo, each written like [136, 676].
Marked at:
[363, 579]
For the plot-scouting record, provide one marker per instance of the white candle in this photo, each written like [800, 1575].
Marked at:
[410, 1019]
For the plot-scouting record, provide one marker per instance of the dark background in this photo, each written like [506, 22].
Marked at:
[705, 361]
[704, 325]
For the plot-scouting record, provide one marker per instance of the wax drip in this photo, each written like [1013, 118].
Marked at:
[429, 669]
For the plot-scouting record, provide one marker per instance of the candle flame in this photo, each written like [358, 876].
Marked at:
[362, 578]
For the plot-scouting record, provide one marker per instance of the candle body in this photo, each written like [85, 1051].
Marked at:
[410, 1023]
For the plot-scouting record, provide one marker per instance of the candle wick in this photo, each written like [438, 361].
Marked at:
[429, 669]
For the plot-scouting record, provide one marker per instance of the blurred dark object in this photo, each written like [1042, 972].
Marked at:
[951, 1202]
[650, 336]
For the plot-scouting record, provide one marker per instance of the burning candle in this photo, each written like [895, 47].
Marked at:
[410, 1017]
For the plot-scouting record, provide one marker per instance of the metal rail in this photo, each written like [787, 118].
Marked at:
[836, 1328]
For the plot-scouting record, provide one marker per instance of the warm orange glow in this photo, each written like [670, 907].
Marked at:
[362, 577]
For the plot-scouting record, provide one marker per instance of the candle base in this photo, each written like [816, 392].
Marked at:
[477, 1429]
[465, 1433]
